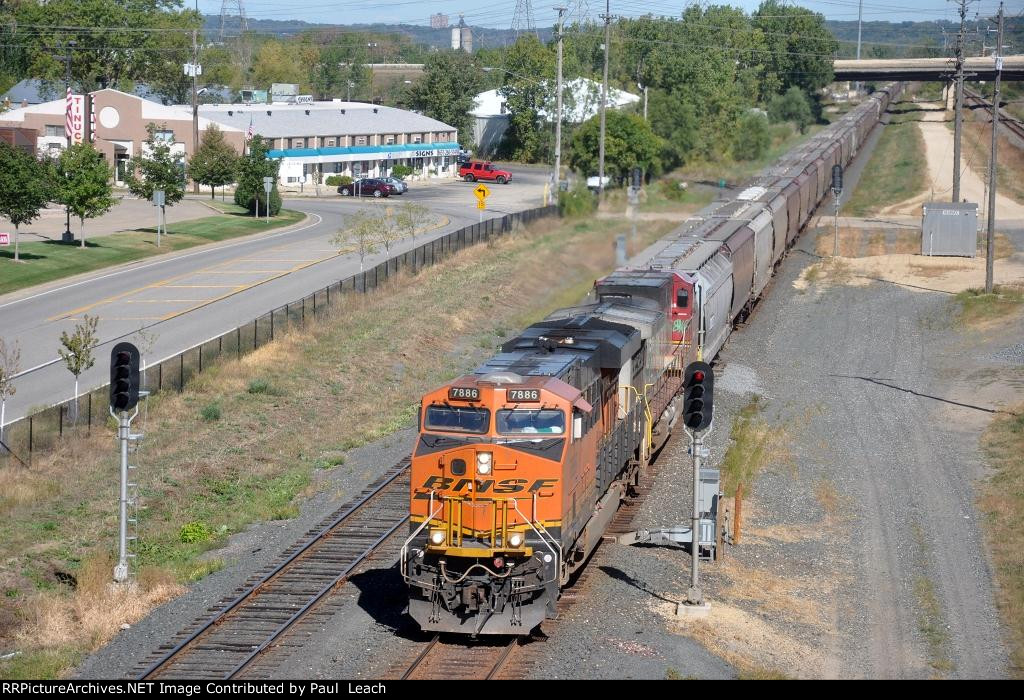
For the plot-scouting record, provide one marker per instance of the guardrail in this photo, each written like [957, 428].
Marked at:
[43, 430]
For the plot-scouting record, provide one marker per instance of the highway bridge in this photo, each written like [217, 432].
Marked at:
[975, 68]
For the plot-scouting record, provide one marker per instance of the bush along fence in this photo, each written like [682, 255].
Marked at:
[43, 430]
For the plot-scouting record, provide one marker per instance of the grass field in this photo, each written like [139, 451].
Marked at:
[246, 438]
[51, 260]
[1002, 502]
[897, 168]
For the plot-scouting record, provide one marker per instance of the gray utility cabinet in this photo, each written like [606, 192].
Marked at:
[949, 229]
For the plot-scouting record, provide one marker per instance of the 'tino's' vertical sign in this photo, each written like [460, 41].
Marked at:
[75, 122]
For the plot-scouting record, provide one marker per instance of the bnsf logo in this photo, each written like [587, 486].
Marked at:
[443, 483]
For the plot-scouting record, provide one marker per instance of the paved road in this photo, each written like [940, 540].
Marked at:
[188, 297]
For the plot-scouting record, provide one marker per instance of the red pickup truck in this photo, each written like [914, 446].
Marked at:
[474, 170]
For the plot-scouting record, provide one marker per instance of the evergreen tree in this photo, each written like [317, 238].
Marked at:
[215, 162]
[252, 168]
[451, 80]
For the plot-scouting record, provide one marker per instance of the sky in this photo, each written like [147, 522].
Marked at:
[499, 13]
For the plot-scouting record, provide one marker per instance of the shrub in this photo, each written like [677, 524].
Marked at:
[338, 180]
[260, 386]
[673, 190]
[401, 171]
[793, 106]
[579, 201]
[194, 532]
[211, 412]
[244, 198]
[752, 139]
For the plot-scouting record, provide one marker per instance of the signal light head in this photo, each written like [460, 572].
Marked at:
[698, 376]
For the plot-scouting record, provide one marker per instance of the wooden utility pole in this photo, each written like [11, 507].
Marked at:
[558, 108]
[604, 93]
[195, 101]
[990, 239]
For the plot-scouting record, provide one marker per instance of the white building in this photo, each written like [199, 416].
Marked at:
[349, 138]
[581, 100]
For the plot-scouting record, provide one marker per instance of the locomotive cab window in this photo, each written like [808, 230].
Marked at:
[529, 421]
[457, 419]
[682, 299]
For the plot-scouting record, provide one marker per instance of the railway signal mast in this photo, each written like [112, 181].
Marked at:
[124, 396]
[698, 383]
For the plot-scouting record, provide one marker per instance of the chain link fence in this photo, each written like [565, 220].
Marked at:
[43, 430]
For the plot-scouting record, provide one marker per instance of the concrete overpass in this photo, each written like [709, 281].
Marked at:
[975, 68]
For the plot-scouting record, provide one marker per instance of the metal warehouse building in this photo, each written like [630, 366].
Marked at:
[349, 138]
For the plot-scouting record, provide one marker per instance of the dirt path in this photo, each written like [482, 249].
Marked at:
[938, 140]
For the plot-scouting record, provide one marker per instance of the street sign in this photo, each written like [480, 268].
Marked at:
[482, 192]
[480, 204]
[5, 239]
[158, 198]
[268, 184]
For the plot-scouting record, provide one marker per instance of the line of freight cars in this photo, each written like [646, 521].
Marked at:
[520, 466]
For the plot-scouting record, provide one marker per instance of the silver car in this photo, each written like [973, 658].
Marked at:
[399, 186]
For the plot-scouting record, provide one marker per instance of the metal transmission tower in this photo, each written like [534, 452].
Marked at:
[232, 19]
[522, 18]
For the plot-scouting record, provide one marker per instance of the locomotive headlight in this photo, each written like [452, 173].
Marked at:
[515, 539]
[437, 537]
[483, 462]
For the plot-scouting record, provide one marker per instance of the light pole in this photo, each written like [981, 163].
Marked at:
[67, 236]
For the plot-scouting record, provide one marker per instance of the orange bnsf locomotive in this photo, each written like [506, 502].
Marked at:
[520, 466]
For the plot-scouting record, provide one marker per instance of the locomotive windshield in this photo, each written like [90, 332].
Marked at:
[457, 419]
[538, 420]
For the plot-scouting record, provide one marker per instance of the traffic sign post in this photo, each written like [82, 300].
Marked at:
[5, 239]
[159, 199]
[268, 185]
[482, 192]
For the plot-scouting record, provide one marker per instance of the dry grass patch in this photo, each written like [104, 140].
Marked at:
[1002, 502]
[980, 309]
[351, 376]
[977, 142]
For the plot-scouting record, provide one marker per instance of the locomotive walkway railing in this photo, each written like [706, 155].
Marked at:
[44, 429]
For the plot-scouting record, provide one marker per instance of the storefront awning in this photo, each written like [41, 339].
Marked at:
[336, 154]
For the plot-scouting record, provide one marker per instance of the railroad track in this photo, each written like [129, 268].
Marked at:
[1006, 121]
[243, 628]
[455, 659]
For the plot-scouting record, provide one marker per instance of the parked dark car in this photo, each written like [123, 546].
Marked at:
[365, 188]
[397, 186]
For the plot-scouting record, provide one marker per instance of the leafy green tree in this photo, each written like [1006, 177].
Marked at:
[252, 168]
[83, 183]
[362, 234]
[800, 46]
[674, 119]
[77, 350]
[629, 143]
[115, 56]
[528, 88]
[411, 217]
[451, 79]
[215, 162]
[792, 107]
[156, 168]
[24, 188]
[753, 137]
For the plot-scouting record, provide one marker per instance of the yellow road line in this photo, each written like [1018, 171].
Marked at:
[200, 286]
[158, 301]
